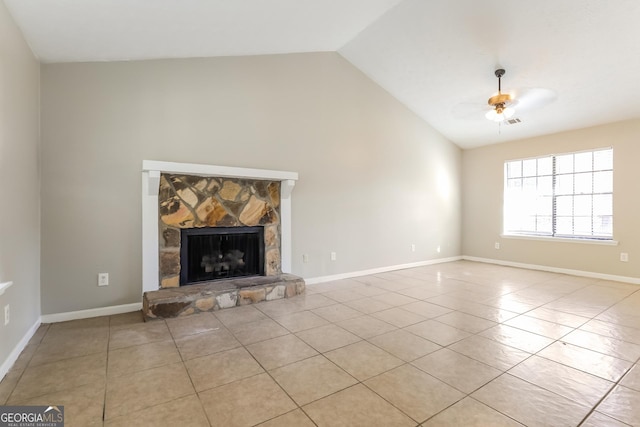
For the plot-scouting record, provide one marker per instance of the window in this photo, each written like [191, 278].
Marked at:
[565, 195]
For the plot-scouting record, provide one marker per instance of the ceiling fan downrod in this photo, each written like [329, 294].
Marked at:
[499, 102]
[499, 73]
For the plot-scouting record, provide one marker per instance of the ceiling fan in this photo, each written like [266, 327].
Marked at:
[502, 103]
[503, 106]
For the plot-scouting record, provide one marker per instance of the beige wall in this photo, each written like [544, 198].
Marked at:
[374, 178]
[20, 210]
[482, 202]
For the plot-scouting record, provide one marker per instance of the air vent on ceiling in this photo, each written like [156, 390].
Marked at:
[513, 121]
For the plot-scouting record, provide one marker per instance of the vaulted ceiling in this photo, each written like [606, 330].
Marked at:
[581, 57]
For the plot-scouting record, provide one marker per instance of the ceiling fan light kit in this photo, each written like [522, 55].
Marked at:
[500, 113]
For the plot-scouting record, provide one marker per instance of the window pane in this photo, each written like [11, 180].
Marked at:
[545, 186]
[603, 226]
[564, 205]
[582, 226]
[564, 184]
[544, 206]
[583, 183]
[529, 167]
[529, 224]
[582, 206]
[603, 182]
[583, 162]
[514, 184]
[544, 224]
[511, 224]
[603, 159]
[564, 164]
[545, 166]
[564, 225]
[514, 169]
[530, 184]
[602, 205]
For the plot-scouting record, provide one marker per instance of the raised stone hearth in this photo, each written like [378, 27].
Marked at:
[186, 300]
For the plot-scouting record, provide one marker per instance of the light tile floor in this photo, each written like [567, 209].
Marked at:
[456, 344]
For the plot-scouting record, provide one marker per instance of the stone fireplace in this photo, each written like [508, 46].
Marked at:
[207, 206]
[222, 237]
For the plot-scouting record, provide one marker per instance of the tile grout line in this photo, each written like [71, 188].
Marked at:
[282, 388]
[456, 310]
[106, 375]
[358, 382]
[615, 384]
[184, 365]
[27, 365]
[405, 363]
[553, 342]
[468, 395]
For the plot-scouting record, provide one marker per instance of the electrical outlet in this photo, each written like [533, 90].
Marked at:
[6, 315]
[333, 256]
[624, 257]
[305, 258]
[413, 247]
[496, 245]
[103, 279]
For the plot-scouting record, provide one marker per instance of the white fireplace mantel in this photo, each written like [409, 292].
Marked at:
[151, 171]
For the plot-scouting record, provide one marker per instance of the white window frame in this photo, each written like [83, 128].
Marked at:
[546, 194]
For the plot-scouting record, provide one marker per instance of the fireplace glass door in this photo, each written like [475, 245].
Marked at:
[215, 253]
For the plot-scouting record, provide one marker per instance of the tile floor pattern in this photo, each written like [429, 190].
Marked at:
[455, 344]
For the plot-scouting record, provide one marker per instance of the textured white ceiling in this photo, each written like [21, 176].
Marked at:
[438, 58]
[112, 30]
[435, 56]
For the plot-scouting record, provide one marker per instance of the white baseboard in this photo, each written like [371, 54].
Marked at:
[625, 279]
[15, 353]
[94, 312]
[322, 279]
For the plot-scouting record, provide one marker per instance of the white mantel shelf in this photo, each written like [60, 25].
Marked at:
[151, 170]
[218, 171]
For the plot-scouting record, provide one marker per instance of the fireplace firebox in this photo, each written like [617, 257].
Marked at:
[215, 253]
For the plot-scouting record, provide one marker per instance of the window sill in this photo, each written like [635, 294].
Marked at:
[561, 239]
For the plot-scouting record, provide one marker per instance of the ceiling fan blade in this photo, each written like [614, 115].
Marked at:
[469, 110]
[522, 100]
[531, 98]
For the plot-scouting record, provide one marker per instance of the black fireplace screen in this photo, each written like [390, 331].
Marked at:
[215, 253]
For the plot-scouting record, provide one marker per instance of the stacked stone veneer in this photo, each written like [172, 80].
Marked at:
[187, 201]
